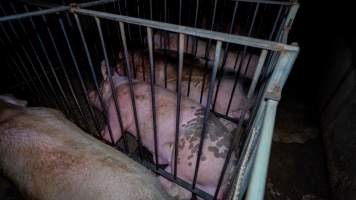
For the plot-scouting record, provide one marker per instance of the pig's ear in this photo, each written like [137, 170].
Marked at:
[104, 72]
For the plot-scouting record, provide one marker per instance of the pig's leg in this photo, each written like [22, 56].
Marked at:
[114, 125]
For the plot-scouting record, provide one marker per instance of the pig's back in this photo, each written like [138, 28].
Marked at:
[48, 157]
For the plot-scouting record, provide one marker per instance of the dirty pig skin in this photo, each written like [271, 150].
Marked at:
[216, 142]
[49, 158]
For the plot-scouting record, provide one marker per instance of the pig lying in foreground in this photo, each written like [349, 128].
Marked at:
[140, 62]
[50, 158]
[233, 59]
[216, 143]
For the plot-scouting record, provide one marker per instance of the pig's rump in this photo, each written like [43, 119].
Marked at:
[48, 157]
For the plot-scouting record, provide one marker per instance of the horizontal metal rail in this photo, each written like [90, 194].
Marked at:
[53, 10]
[269, 2]
[224, 37]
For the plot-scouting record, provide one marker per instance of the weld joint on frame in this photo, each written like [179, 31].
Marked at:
[274, 94]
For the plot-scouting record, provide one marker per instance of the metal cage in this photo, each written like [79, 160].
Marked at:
[52, 51]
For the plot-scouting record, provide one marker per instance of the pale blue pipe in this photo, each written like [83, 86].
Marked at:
[259, 173]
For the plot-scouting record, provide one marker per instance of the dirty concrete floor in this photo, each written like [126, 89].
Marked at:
[298, 169]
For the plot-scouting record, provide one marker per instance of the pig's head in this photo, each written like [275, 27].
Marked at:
[105, 87]
[9, 98]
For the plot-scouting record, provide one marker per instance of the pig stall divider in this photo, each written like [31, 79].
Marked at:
[39, 40]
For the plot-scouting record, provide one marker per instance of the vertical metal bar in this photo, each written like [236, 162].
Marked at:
[65, 74]
[19, 58]
[127, 14]
[165, 10]
[241, 61]
[273, 91]
[207, 52]
[179, 96]
[92, 114]
[151, 15]
[276, 22]
[248, 152]
[26, 54]
[113, 89]
[119, 6]
[194, 46]
[259, 173]
[289, 22]
[65, 108]
[166, 37]
[226, 52]
[5, 33]
[257, 73]
[45, 74]
[139, 16]
[46, 93]
[245, 109]
[129, 73]
[66, 104]
[22, 74]
[27, 72]
[153, 100]
[10, 22]
[180, 13]
[207, 108]
[195, 43]
[166, 34]
[93, 75]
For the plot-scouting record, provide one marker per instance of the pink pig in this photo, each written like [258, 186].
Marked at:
[216, 143]
[169, 42]
[140, 63]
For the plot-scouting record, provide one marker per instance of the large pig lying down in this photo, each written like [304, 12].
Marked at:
[50, 158]
[233, 59]
[216, 144]
[140, 62]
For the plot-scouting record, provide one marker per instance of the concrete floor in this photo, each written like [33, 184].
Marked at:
[298, 169]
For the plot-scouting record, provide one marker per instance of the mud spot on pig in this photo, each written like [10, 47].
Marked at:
[217, 152]
[189, 164]
[181, 144]
[224, 142]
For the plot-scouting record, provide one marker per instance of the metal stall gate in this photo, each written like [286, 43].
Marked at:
[53, 53]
